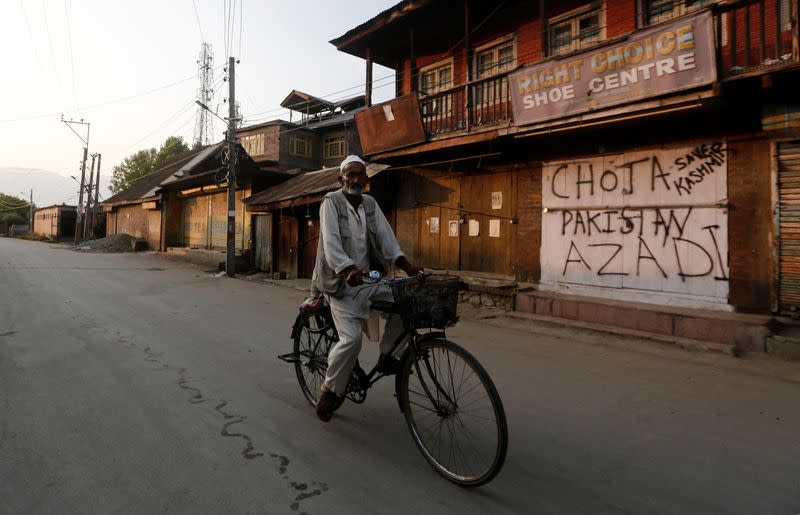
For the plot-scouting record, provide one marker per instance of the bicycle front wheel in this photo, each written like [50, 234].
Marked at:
[311, 346]
[454, 412]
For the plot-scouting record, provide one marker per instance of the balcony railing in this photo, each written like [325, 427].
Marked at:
[754, 35]
[448, 111]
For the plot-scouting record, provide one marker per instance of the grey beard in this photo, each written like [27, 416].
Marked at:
[354, 190]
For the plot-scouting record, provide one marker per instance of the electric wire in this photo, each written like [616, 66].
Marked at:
[241, 18]
[180, 111]
[50, 42]
[457, 59]
[197, 17]
[231, 32]
[446, 54]
[30, 33]
[71, 58]
[108, 102]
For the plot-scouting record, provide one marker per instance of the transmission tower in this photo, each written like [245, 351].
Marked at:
[203, 128]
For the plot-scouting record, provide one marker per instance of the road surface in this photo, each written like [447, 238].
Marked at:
[138, 384]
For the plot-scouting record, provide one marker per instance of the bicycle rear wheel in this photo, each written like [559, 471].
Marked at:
[311, 346]
[454, 412]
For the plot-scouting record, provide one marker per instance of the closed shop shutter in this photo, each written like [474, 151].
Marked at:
[195, 222]
[219, 221]
[789, 227]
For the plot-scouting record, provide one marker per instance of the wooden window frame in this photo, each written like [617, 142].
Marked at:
[495, 45]
[573, 18]
[486, 90]
[679, 8]
[329, 142]
[296, 138]
[254, 144]
[438, 65]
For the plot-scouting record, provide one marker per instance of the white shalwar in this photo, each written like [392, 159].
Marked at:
[350, 310]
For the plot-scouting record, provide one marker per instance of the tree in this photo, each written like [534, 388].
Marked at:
[144, 162]
[13, 210]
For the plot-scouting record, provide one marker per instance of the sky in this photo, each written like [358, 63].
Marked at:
[130, 69]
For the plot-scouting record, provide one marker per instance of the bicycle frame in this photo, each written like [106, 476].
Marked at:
[324, 323]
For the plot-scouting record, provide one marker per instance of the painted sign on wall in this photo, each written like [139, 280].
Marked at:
[667, 58]
[646, 220]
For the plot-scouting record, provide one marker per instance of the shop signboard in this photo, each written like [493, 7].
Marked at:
[664, 59]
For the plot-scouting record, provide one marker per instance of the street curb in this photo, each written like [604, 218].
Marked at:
[685, 343]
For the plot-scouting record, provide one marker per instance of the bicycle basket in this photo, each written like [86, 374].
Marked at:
[434, 301]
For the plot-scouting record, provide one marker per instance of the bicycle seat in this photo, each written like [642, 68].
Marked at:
[312, 304]
[384, 305]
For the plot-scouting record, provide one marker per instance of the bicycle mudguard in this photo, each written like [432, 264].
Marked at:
[298, 326]
[433, 335]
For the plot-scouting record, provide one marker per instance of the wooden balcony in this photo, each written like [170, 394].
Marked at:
[755, 37]
[751, 38]
[468, 107]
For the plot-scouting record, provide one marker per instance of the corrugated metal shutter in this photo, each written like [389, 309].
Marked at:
[195, 222]
[219, 221]
[789, 227]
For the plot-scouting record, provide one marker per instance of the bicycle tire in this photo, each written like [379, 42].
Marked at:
[443, 401]
[312, 345]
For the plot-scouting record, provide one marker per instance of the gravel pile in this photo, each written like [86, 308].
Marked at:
[113, 243]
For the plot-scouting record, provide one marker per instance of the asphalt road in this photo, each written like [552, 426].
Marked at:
[137, 384]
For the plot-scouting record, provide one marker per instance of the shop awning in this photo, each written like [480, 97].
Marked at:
[308, 186]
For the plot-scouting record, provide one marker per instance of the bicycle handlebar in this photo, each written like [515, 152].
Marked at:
[370, 278]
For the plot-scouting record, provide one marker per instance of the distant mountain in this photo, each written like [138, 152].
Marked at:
[48, 187]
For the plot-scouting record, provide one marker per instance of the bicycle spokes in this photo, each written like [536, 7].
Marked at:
[454, 415]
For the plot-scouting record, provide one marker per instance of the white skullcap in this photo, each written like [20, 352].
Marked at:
[350, 159]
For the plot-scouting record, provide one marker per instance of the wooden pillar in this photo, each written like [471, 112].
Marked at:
[794, 25]
[398, 78]
[543, 20]
[777, 29]
[368, 85]
[639, 14]
[468, 65]
[412, 72]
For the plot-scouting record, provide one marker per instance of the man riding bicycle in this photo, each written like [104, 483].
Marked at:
[354, 237]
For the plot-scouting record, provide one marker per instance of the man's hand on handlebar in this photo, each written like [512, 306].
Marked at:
[407, 267]
[355, 275]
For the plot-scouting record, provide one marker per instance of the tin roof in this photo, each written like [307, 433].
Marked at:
[303, 102]
[308, 183]
[60, 206]
[146, 186]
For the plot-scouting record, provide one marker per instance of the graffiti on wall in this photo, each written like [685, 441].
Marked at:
[645, 220]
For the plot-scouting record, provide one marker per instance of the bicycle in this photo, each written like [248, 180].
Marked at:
[449, 402]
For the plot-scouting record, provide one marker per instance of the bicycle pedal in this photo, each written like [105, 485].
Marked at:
[289, 358]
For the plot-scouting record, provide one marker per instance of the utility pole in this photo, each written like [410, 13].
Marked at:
[87, 226]
[97, 188]
[79, 219]
[30, 213]
[230, 262]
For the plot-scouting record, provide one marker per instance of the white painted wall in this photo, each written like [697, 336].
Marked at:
[644, 225]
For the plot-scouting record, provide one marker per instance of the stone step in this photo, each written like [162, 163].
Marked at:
[742, 331]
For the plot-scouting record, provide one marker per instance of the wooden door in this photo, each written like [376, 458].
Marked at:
[438, 198]
[263, 242]
[308, 247]
[789, 228]
[287, 251]
[486, 237]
